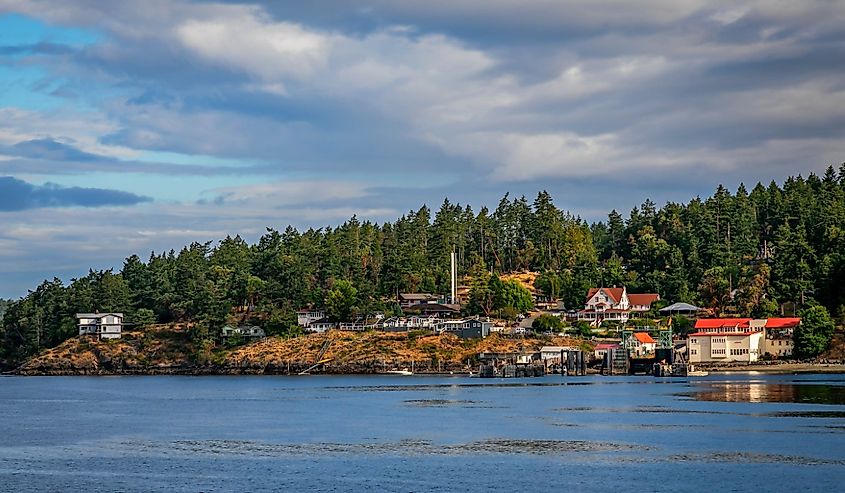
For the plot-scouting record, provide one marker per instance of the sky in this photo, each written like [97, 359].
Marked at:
[128, 127]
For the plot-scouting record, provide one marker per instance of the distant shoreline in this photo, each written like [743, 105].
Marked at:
[768, 369]
[784, 368]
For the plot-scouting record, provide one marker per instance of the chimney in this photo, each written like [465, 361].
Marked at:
[454, 277]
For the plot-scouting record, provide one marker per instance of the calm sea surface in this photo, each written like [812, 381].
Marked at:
[397, 433]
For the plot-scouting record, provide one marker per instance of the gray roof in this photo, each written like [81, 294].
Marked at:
[680, 307]
[97, 315]
[417, 296]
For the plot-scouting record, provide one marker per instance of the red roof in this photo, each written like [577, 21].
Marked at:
[614, 293]
[645, 299]
[643, 337]
[782, 323]
[717, 323]
[606, 345]
[724, 334]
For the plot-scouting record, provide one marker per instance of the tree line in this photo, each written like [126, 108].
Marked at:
[744, 252]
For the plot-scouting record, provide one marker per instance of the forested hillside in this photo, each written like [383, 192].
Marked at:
[770, 245]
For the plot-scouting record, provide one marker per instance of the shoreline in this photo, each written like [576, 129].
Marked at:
[783, 368]
[769, 369]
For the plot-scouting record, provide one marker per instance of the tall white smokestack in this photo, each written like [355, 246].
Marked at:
[454, 278]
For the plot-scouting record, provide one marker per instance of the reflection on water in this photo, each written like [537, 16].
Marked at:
[771, 392]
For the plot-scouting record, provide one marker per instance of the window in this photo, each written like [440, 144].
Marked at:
[693, 351]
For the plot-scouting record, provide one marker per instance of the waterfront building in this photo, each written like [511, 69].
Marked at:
[101, 325]
[741, 339]
[602, 348]
[779, 332]
[642, 343]
[725, 340]
[551, 355]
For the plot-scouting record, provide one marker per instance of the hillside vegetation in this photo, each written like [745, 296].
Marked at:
[755, 253]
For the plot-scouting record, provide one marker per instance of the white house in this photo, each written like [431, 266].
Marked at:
[305, 317]
[102, 325]
[321, 325]
[726, 340]
[248, 332]
[552, 353]
[614, 304]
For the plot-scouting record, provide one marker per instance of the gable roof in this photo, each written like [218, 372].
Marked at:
[718, 323]
[645, 299]
[417, 296]
[97, 315]
[644, 337]
[615, 294]
[679, 307]
[783, 323]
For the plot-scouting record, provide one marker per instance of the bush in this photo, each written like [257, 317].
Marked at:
[547, 323]
[814, 334]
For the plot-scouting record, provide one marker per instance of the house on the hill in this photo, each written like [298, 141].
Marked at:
[439, 310]
[407, 300]
[615, 304]
[306, 316]
[102, 325]
[245, 331]
[322, 325]
[472, 328]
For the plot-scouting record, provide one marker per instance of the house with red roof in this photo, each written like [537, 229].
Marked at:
[740, 339]
[642, 343]
[614, 304]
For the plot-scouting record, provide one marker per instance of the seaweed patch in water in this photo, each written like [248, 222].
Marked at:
[754, 458]
[451, 402]
[805, 414]
[407, 447]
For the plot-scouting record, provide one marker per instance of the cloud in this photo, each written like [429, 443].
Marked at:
[294, 192]
[49, 149]
[18, 195]
[339, 107]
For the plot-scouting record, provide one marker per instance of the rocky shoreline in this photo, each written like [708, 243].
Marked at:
[775, 367]
[167, 350]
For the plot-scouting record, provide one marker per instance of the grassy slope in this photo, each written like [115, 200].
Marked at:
[167, 347]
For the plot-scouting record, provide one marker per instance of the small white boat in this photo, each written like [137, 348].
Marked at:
[403, 371]
[697, 373]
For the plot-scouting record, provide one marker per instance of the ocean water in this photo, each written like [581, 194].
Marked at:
[419, 433]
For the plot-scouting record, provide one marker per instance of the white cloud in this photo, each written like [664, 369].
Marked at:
[292, 192]
[268, 50]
